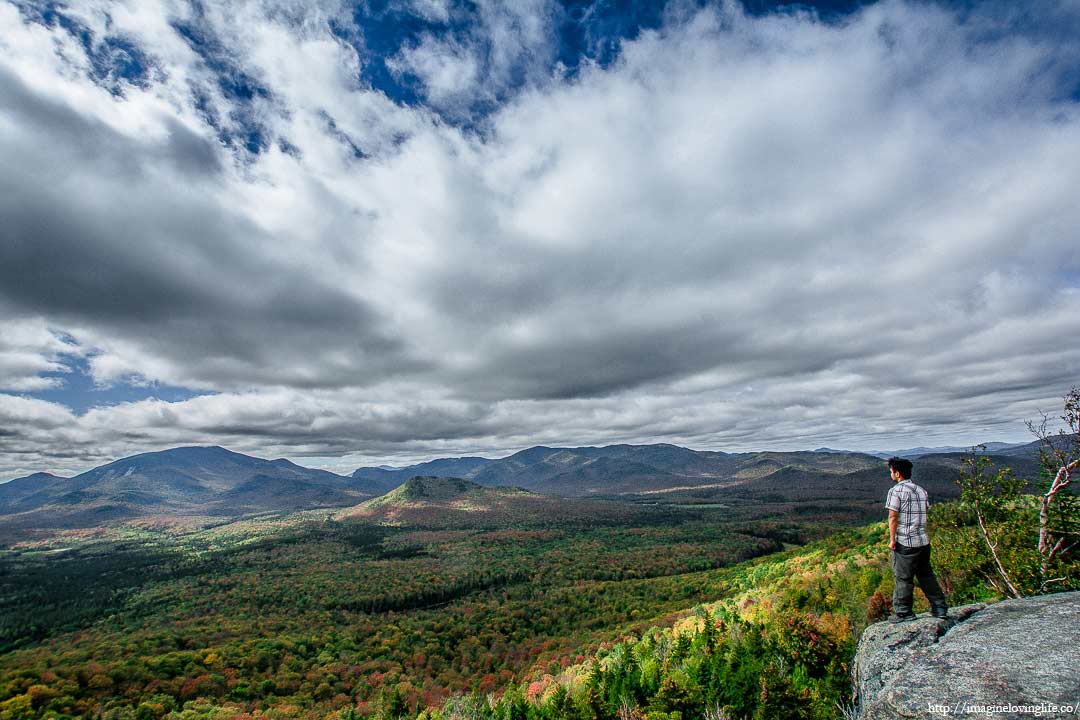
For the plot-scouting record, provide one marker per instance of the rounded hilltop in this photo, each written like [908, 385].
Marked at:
[428, 489]
[424, 500]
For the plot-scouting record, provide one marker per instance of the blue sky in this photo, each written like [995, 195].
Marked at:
[77, 389]
[578, 33]
[382, 232]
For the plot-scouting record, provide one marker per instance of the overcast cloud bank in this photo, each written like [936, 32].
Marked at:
[747, 232]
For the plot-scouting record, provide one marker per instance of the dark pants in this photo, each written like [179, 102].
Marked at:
[914, 562]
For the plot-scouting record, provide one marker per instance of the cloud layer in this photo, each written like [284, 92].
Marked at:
[742, 232]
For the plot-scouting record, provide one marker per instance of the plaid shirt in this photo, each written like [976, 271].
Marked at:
[910, 501]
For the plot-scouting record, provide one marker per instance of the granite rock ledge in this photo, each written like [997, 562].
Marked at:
[1002, 661]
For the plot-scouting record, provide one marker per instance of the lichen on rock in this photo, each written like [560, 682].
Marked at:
[1018, 653]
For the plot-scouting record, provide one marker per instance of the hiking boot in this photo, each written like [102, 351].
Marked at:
[894, 619]
[940, 613]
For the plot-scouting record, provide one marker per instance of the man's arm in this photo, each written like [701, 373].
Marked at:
[894, 521]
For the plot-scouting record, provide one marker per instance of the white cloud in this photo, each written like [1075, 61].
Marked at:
[508, 44]
[28, 349]
[869, 222]
[434, 10]
[447, 69]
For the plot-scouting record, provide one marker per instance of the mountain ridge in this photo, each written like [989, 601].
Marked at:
[183, 481]
[623, 469]
[216, 482]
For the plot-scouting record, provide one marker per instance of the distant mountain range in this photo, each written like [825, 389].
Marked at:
[182, 481]
[388, 478]
[630, 469]
[213, 481]
[570, 471]
[996, 448]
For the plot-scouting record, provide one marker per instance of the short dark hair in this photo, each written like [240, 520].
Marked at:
[902, 466]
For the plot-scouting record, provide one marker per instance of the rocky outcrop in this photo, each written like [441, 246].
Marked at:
[1006, 660]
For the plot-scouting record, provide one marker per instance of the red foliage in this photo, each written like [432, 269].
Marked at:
[879, 608]
[199, 685]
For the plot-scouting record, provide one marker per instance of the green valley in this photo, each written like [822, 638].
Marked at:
[308, 614]
[444, 598]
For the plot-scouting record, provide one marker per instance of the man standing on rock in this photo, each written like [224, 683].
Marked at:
[907, 505]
